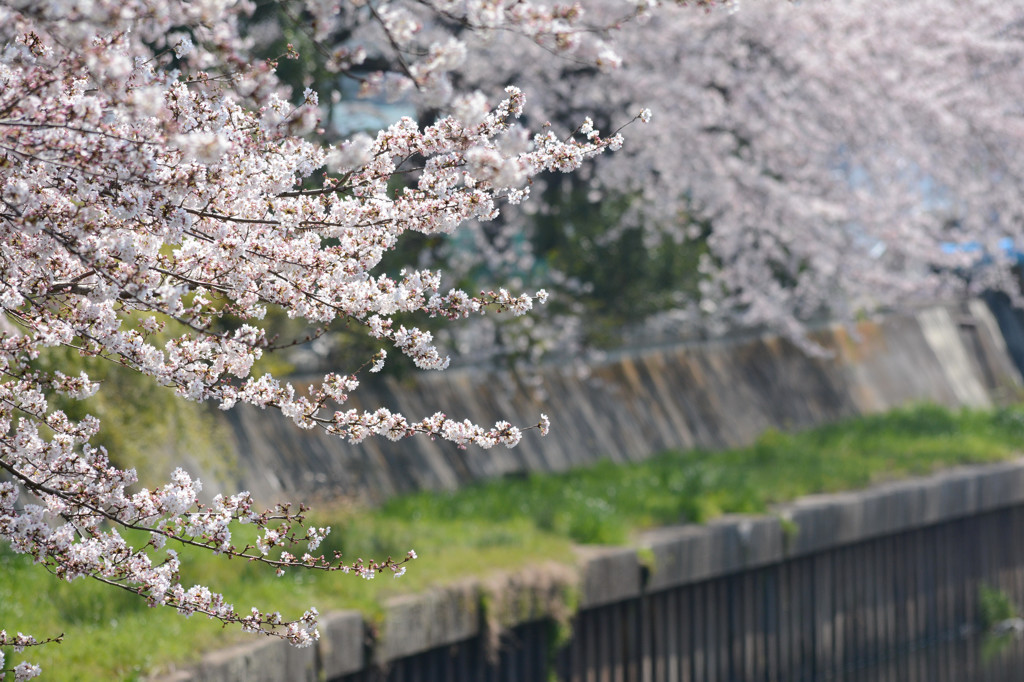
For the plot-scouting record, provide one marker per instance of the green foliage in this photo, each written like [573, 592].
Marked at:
[627, 276]
[113, 635]
[110, 634]
[603, 503]
[994, 607]
[143, 425]
[506, 523]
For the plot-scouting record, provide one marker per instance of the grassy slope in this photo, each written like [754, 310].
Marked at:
[508, 523]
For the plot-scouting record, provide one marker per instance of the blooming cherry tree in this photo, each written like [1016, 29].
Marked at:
[161, 191]
[156, 183]
[828, 159]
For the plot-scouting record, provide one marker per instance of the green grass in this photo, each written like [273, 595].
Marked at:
[500, 524]
[604, 503]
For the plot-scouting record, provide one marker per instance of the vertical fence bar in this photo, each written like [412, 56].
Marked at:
[604, 646]
[752, 620]
[841, 605]
[888, 575]
[620, 642]
[724, 628]
[823, 610]
[803, 624]
[785, 645]
[672, 636]
[771, 621]
[591, 659]
[699, 626]
[685, 635]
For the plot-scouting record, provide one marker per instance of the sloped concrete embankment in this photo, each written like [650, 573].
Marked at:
[709, 394]
[825, 585]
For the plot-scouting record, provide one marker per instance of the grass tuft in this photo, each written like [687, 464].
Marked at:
[505, 524]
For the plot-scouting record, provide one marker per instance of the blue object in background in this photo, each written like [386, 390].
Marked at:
[1005, 245]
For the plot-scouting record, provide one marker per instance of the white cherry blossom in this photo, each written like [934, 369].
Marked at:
[154, 177]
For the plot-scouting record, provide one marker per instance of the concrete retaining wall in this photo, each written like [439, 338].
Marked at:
[705, 394]
[712, 394]
[837, 562]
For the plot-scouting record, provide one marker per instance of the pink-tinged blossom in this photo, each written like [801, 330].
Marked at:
[26, 671]
[155, 177]
[830, 159]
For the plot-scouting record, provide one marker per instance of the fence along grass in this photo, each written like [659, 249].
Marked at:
[506, 523]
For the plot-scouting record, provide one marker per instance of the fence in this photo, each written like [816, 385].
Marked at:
[875, 608]
[820, 617]
[852, 586]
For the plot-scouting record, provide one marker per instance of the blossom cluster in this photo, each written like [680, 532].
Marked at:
[18, 643]
[825, 160]
[155, 182]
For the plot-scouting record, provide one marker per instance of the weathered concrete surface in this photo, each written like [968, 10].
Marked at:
[709, 394]
[342, 643]
[419, 622]
[265, 660]
[610, 574]
[689, 553]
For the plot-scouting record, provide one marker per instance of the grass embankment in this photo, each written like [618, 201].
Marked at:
[500, 524]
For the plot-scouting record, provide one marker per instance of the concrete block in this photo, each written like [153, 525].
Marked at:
[265, 660]
[958, 493]
[342, 639]
[821, 521]
[301, 663]
[843, 518]
[456, 613]
[610, 574]
[761, 540]
[679, 555]
[406, 628]
[419, 622]
[663, 552]
[1001, 485]
[892, 508]
[686, 554]
[530, 594]
[729, 544]
[878, 512]
[932, 509]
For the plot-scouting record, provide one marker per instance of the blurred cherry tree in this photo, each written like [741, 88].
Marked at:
[817, 160]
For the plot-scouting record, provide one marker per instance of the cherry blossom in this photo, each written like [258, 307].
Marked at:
[828, 159]
[156, 182]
